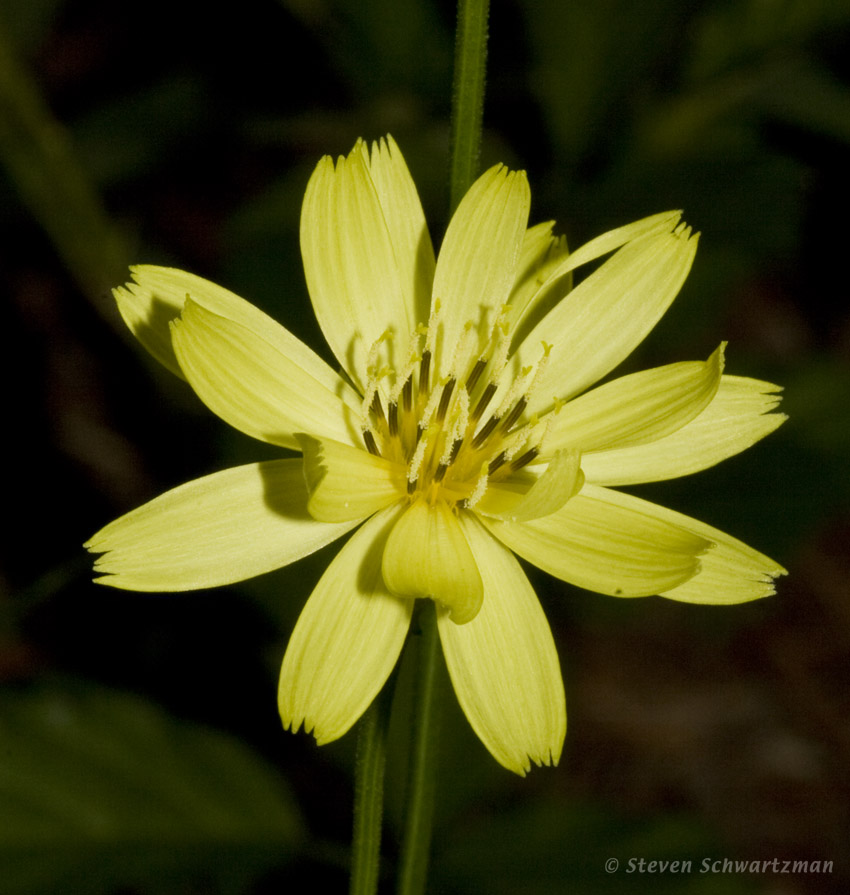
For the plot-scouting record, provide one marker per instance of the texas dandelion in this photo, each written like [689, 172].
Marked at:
[462, 431]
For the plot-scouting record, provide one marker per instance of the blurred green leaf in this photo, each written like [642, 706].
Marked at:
[46, 173]
[125, 138]
[550, 847]
[28, 20]
[810, 98]
[583, 66]
[816, 400]
[734, 33]
[100, 789]
[382, 44]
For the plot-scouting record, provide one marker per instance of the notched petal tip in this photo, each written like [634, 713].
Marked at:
[504, 666]
[347, 639]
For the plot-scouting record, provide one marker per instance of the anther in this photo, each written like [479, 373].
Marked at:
[440, 474]
[369, 441]
[483, 401]
[515, 414]
[495, 463]
[392, 414]
[524, 459]
[484, 433]
[407, 394]
[376, 407]
[411, 485]
[424, 372]
[475, 375]
[445, 398]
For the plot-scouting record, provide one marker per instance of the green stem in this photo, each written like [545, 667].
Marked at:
[467, 96]
[369, 794]
[429, 688]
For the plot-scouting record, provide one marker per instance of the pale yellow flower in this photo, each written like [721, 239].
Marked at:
[460, 432]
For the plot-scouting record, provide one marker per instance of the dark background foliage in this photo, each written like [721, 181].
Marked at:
[140, 748]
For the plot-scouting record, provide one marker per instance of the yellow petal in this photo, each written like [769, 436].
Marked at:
[345, 482]
[477, 264]
[737, 417]
[346, 641]
[545, 271]
[608, 314]
[364, 278]
[406, 225]
[561, 480]
[427, 556]
[596, 542]
[252, 384]
[637, 409]
[541, 254]
[158, 294]
[504, 665]
[225, 527]
[614, 239]
[730, 571]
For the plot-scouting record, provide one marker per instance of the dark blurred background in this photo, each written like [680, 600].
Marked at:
[140, 747]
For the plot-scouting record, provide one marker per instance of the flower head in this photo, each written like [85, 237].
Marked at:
[461, 431]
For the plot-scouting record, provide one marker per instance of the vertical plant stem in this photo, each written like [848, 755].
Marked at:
[369, 794]
[467, 96]
[430, 686]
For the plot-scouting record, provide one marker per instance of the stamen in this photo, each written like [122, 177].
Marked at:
[521, 437]
[375, 373]
[433, 399]
[369, 441]
[541, 367]
[453, 446]
[424, 372]
[475, 375]
[376, 407]
[417, 459]
[460, 356]
[407, 394]
[480, 488]
[524, 459]
[495, 463]
[515, 392]
[460, 415]
[414, 416]
[515, 414]
[432, 328]
[483, 401]
[502, 346]
[484, 431]
[445, 398]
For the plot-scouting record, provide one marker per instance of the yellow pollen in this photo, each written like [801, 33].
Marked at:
[438, 434]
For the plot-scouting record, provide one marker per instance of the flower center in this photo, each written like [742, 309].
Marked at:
[451, 438]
